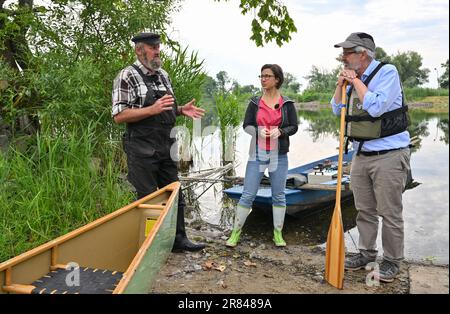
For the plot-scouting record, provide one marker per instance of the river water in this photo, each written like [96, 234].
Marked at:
[426, 206]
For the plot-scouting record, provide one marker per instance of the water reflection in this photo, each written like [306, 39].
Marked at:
[425, 207]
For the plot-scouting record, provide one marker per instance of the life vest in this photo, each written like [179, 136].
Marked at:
[361, 126]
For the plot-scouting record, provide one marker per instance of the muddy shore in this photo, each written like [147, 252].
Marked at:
[256, 266]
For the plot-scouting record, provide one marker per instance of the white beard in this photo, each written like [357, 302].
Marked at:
[353, 67]
[154, 64]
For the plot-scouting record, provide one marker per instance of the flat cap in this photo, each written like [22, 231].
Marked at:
[147, 38]
[358, 39]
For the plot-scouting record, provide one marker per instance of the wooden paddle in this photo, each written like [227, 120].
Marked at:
[334, 260]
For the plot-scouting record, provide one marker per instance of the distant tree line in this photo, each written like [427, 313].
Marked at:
[321, 82]
[408, 64]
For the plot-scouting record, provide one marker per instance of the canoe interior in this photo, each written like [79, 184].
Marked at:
[109, 243]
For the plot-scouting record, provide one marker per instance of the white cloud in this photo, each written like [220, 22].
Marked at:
[221, 34]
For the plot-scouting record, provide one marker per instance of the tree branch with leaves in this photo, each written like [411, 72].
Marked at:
[271, 21]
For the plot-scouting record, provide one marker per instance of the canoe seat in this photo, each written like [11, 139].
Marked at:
[91, 281]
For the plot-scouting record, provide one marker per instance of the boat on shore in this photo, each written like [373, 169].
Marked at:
[318, 190]
[121, 252]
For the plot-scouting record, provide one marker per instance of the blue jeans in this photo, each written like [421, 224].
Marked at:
[278, 168]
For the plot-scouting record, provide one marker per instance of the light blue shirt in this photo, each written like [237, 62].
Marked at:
[384, 94]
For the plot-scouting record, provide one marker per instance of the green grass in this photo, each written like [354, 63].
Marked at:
[61, 183]
[419, 93]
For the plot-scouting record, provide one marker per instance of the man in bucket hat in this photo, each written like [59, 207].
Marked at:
[143, 99]
[381, 162]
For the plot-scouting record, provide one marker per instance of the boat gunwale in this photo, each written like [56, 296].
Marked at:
[131, 270]
[8, 264]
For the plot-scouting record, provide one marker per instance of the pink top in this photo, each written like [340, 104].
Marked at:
[270, 119]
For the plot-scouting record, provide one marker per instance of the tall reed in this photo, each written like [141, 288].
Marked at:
[67, 180]
[229, 117]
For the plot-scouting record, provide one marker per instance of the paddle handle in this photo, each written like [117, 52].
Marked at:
[341, 144]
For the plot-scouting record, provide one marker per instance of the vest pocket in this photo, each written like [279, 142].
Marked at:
[364, 129]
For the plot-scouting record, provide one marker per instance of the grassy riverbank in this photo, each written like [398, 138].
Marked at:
[428, 104]
[439, 104]
[60, 183]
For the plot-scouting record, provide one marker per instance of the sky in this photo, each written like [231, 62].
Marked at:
[221, 35]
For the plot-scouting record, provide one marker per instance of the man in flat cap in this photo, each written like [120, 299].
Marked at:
[376, 123]
[143, 98]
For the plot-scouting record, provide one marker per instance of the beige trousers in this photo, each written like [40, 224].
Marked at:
[378, 183]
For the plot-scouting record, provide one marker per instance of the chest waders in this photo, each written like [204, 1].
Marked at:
[361, 126]
[151, 135]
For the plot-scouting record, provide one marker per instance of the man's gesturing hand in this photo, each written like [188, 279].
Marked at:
[165, 103]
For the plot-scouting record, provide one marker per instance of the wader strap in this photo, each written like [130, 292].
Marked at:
[164, 81]
[347, 140]
[359, 148]
[346, 145]
[151, 94]
[375, 71]
[169, 90]
[146, 80]
[166, 85]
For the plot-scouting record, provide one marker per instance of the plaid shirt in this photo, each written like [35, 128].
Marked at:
[129, 89]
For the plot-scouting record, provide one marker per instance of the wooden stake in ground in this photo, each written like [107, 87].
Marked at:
[335, 256]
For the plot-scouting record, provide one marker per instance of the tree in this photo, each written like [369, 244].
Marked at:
[271, 21]
[322, 80]
[290, 83]
[209, 87]
[223, 82]
[14, 54]
[408, 65]
[443, 79]
[249, 89]
[44, 46]
[381, 55]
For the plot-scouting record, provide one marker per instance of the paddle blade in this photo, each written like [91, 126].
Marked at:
[335, 255]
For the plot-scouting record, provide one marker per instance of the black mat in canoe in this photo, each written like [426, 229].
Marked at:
[92, 281]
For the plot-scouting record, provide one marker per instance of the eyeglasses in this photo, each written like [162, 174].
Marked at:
[265, 76]
[347, 53]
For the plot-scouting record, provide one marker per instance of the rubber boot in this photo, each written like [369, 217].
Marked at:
[234, 238]
[182, 243]
[278, 238]
[278, 222]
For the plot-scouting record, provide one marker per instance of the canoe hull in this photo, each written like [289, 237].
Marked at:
[134, 241]
[156, 255]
